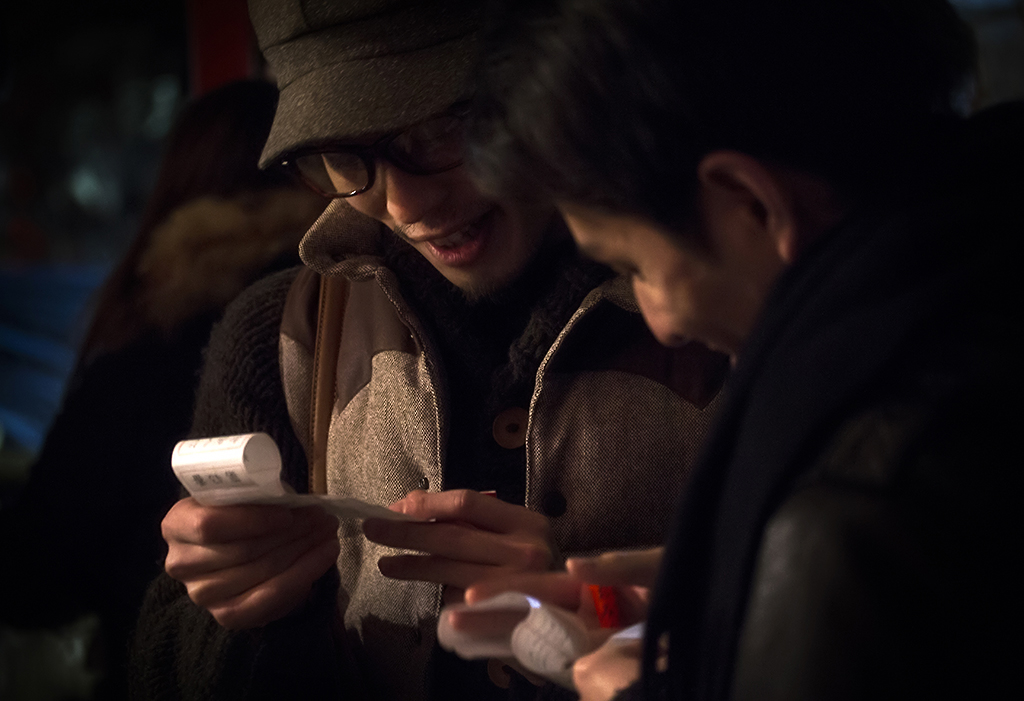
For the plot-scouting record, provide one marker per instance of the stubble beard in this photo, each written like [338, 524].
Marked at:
[475, 291]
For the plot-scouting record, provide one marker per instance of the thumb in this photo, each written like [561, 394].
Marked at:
[618, 568]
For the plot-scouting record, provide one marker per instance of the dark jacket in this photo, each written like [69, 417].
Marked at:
[852, 528]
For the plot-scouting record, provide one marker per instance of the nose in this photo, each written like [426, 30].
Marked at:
[659, 317]
[407, 198]
[666, 335]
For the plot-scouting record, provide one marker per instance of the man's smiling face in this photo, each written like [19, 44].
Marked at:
[480, 245]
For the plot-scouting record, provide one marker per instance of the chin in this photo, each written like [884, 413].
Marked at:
[478, 290]
[481, 286]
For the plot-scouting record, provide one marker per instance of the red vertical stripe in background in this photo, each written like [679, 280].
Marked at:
[221, 43]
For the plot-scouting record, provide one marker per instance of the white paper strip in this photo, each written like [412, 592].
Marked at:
[246, 469]
[229, 469]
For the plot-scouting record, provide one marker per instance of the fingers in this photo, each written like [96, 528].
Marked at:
[632, 574]
[248, 564]
[427, 568]
[190, 522]
[558, 588]
[457, 541]
[197, 554]
[222, 584]
[453, 595]
[470, 537]
[600, 675]
[618, 568]
[185, 561]
[473, 538]
[474, 508]
[485, 624]
[279, 595]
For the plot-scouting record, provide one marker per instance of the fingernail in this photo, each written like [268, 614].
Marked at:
[578, 561]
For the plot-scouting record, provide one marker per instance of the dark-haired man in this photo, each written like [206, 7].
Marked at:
[790, 182]
[477, 352]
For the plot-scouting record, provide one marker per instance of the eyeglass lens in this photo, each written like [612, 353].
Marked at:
[337, 172]
[429, 147]
[434, 145]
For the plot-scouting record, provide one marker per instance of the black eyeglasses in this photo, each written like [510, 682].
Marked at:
[430, 147]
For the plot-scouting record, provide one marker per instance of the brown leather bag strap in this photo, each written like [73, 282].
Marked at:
[330, 316]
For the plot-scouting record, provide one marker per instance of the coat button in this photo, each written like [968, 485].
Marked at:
[509, 428]
[553, 504]
[423, 484]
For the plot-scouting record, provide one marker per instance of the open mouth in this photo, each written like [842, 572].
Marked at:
[464, 235]
[459, 238]
[464, 246]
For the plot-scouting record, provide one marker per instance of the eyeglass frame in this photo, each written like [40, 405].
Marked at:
[369, 155]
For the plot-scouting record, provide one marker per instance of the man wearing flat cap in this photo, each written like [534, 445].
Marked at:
[469, 350]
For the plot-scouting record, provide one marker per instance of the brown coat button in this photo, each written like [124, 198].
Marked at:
[553, 504]
[509, 428]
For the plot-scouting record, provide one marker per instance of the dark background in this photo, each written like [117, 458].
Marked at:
[89, 90]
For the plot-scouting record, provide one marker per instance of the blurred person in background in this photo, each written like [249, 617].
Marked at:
[83, 537]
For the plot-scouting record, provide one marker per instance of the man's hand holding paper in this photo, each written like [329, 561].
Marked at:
[248, 564]
[247, 548]
[463, 538]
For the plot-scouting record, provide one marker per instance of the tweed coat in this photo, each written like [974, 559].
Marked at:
[606, 475]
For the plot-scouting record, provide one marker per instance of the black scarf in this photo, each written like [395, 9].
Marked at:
[844, 323]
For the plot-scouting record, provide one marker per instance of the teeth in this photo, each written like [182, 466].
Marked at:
[456, 239]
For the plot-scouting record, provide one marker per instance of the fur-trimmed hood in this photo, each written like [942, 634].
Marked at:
[209, 249]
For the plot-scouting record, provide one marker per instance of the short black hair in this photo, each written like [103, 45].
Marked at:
[612, 103]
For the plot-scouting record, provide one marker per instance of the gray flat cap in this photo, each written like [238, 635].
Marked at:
[347, 68]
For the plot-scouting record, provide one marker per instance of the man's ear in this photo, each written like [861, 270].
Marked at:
[741, 194]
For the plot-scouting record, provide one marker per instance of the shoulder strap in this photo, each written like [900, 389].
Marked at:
[330, 316]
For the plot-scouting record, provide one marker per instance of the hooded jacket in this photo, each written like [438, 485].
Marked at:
[607, 476]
